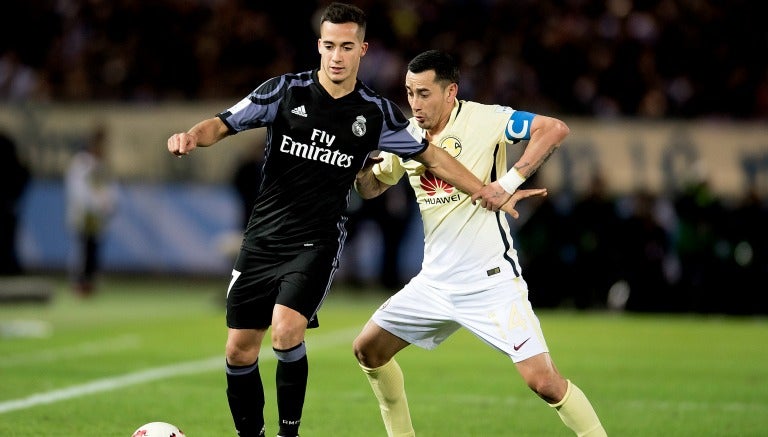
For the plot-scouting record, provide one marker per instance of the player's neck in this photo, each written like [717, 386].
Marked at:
[337, 89]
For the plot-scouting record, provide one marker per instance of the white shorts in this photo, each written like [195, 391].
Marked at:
[501, 316]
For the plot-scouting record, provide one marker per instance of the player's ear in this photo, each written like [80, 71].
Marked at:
[319, 46]
[363, 48]
[453, 91]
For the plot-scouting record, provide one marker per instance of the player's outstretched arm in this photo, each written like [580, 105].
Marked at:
[203, 134]
[444, 166]
[441, 164]
[366, 183]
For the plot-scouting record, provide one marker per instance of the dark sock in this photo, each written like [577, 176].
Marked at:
[245, 394]
[291, 381]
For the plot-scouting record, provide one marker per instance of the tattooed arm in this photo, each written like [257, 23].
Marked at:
[547, 133]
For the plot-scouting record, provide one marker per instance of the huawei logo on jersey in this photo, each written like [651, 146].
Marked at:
[434, 185]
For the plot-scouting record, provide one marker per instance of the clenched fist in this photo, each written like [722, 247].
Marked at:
[181, 144]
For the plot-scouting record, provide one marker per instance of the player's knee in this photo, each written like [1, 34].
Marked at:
[366, 354]
[239, 354]
[288, 330]
[287, 335]
[358, 348]
[287, 340]
[550, 387]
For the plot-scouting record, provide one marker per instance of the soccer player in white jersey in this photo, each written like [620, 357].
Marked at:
[470, 275]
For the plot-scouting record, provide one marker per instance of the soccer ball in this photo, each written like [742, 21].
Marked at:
[158, 429]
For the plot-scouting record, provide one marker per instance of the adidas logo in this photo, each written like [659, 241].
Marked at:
[299, 110]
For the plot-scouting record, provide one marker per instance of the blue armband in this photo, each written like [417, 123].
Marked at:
[519, 126]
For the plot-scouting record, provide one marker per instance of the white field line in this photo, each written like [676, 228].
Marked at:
[92, 348]
[186, 368]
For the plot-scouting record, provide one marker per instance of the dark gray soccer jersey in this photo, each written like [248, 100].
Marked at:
[315, 146]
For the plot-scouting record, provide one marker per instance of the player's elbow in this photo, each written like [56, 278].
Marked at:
[560, 131]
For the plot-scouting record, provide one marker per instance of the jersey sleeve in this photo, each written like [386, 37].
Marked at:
[389, 170]
[396, 136]
[258, 109]
[519, 126]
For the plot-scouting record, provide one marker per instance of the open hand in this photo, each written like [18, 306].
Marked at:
[509, 206]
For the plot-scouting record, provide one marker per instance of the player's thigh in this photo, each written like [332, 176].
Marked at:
[537, 367]
[305, 279]
[419, 314]
[502, 317]
[252, 291]
[288, 327]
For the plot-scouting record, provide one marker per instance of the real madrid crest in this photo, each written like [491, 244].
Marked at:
[358, 127]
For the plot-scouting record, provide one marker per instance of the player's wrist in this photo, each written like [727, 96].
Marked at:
[511, 181]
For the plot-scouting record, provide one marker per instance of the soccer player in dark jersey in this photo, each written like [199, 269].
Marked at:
[321, 126]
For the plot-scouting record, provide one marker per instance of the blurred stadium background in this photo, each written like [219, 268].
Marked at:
[656, 199]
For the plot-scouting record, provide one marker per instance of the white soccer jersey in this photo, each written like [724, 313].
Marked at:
[463, 243]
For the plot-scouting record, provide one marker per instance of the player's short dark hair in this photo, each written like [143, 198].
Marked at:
[445, 66]
[338, 13]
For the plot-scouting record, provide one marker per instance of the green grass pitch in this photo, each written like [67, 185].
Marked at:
[152, 350]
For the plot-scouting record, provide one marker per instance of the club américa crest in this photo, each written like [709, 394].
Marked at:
[452, 145]
[358, 127]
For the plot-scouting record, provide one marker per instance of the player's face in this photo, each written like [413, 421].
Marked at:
[341, 47]
[431, 102]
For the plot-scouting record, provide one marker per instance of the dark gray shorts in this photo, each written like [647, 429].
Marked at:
[260, 279]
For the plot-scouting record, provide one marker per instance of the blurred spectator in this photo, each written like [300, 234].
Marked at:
[91, 201]
[594, 226]
[644, 247]
[656, 58]
[16, 177]
[18, 81]
[546, 245]
[700, 244]
[748, 261]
